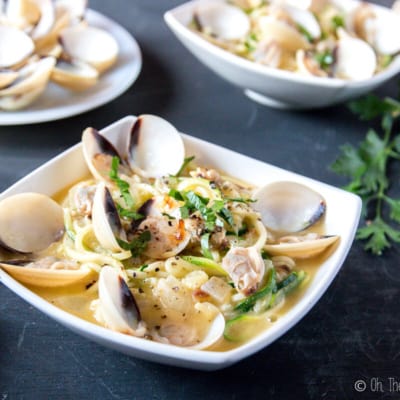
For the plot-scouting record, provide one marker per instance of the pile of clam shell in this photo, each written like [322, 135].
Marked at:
[324, 38]
[45, 40]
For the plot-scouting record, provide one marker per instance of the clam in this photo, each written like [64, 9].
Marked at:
[168, 237]
[155, 147]
[355, 59]
[31, 273]
[380, 30]
[184, 335]
[75, 8]
[15, 46]
[307, 64]
[7, 77]
[22, 14]
[32, 77]
[300, 247]
[268, 53]
[283, 33]
[288, 207]
[107, 225]
[91, 45]
[117, 307]
[74, 75]
[46, 21]
[19, 101]
[30, 222]
[222, 21]
[304, 19]
[246, 268]
[98, 153]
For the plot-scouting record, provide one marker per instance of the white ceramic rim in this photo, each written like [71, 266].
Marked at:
[167, 354]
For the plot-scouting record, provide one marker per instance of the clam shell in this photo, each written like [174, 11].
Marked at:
[306, 249]
[82, 43]
[31, 77]
[355, 58]
[283, 33]
[47, 18]
[15, 46]
[30, 222]
[117, 305]
[155, 147]
[288, 207]
[17, 102]
[222, 21]
[105, 219]
[74, 75]
[7, 77]
[47, 277]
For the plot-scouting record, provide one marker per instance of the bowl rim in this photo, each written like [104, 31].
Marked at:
[179, 28]
[174, 355]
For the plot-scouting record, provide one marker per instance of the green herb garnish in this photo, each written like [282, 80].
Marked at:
[338, 21]
[241, 200]
[138, 245]
[325, 59]
[123, 186]
[143, 267]
[367, 165]
[185, 163]
[305, 33]
[123, 212]
[205, 246]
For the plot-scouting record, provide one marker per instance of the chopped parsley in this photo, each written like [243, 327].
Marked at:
[205, 246]
[305, 33]
[138, 245]
[338, 21]
[185, 163]
[325, 59]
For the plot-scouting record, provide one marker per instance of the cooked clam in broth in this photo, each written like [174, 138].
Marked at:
[168, 251]
[44, 41]
[345, 40]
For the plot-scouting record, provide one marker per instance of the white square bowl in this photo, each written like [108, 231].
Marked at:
[343, 211]
[270, 86]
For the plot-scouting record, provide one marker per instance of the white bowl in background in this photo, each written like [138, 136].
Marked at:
[343, 211]
[266, 85]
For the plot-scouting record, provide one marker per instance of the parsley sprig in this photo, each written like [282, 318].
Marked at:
[367, 165]
[123, 187]
[138, 245]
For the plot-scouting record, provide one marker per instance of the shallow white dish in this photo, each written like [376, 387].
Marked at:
[57, 103]
[269, 86]
[343, 210]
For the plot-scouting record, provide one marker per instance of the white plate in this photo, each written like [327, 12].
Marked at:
[343, 211]
[270, 86]
[57, 103]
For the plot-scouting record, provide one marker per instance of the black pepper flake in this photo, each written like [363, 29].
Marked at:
[163, 316]
[169, 223]
[158, 327]
[141, 290]
[157, 269]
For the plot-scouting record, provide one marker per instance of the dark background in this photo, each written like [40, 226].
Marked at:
[352, 333]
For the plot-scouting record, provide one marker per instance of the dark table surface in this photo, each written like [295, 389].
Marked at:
[352, 333]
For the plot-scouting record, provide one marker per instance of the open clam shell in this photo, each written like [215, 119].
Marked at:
[98, 153]
[117, 305]
[107, 225]
[288, 207]
[31, 77]
[82, 43]
[47, 18]
[15, 46]
[155, 147]
[282, 33]
[74, 75]
[302, 249]
[19, 101]
[30, 222]
[47, 277]
[223, 21]
[355, 59]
